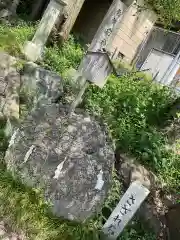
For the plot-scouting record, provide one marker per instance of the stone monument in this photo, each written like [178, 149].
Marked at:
[33, 50]
[108, 26]
[71, 159]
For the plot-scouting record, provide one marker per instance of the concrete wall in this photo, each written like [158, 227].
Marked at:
[132, 32]
[156, 40]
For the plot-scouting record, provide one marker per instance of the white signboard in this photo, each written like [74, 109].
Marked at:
[125, 210]
[96, 67]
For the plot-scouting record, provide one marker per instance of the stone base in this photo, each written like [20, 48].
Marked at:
[32, 51]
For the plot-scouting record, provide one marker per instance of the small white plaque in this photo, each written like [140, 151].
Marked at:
[125, 210]
[96, 67]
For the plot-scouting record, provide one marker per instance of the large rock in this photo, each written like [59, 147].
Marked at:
[9, 87]
[130, 170]
[70, 158]
[38, 83]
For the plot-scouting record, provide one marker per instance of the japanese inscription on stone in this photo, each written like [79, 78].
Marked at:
[108, 26]
[125, 210]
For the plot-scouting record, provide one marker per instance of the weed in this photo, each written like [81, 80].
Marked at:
[135, 112]
[12, 38]
[60, 59]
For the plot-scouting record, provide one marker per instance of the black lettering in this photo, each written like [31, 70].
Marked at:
[114, 20]
[125, 209]
[111, 229]
[108, 31]
[117, 219]
[132, 199]
[119, 12]
[103, 42]
[128, 203]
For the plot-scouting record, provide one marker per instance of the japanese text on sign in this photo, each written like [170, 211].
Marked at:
[125, 210]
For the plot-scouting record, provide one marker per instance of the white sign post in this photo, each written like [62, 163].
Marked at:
[95, 67]
[125, 210]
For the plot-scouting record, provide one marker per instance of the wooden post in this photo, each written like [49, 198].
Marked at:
[78, 99]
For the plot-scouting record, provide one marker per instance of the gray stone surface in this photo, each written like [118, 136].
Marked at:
[9, 87]
[4, 4]
[71, 159]
[38, 83]
[130, 170]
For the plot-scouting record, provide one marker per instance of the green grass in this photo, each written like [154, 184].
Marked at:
[24, 209]
[12, 38]
[57, 58]
[123, 106]
[136, 112]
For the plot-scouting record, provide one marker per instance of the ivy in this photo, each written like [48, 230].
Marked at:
[168, 10]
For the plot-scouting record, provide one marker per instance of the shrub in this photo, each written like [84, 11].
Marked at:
[167, 10]
[61, 58]
[12, 38]
[134, 111]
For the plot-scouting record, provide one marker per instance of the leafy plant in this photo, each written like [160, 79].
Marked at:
[60, 59]
[12, 38]
[167, 10]
[135, 112]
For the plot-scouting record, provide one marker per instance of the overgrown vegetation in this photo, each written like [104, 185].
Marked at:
[61, 58]
[12, 38]
[135, 112]
[24, 209]
[57, 58]
[167, 10]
